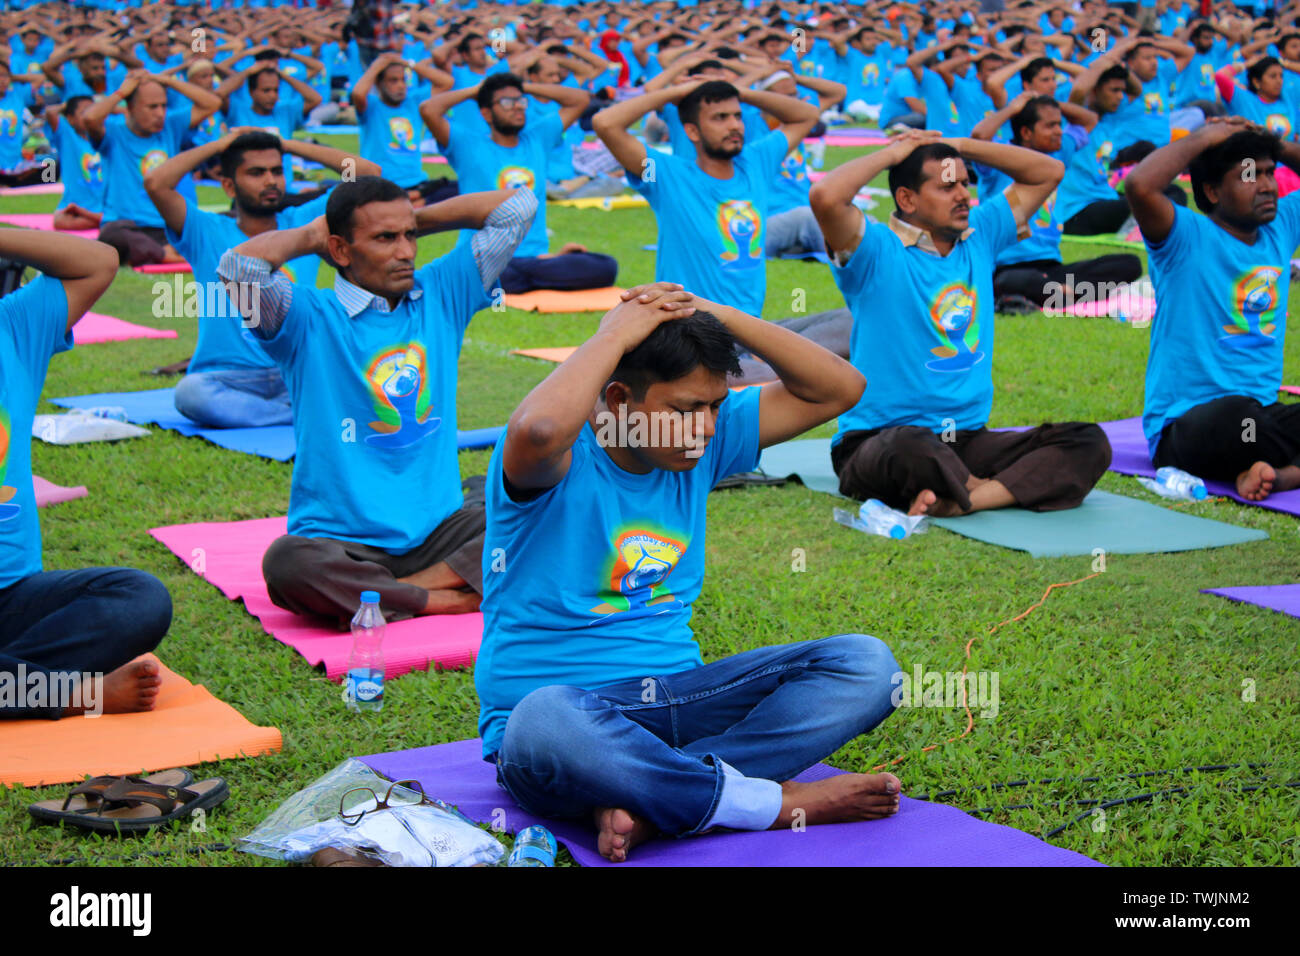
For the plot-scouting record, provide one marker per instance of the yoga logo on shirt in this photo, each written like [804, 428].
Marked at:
[401, 135]
[8, 122]
[741, 229]
[90, 169]
[1153, 102]
[1207, 74]
[952, 311]
[1254, 296]
[643, 560]
[152, 160]
[515, 177]
[792, 167]
[400, 394]
[1043, 218]
[7, 510]
[1103, 155]
[870, 74]
[1279, 124]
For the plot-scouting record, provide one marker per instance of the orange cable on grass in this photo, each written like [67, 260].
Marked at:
[970, 718]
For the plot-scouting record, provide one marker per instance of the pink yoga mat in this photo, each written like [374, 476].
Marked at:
[1290, 389]
[1141, 308]
[442, 160]
[48, 493]
[40, 189]
[832, 140]
[93, 327]
[44, 221]
[228, 555]
[164, 267]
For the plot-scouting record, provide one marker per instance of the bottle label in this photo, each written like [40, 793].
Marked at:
[364, 688]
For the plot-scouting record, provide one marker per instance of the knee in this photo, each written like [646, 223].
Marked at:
[908, 442]
[190, 397]
[143, 605]
[862, 655]
[287, 560]
[544, 724]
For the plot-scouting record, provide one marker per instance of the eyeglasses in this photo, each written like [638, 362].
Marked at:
[411, 794]
[510, 102]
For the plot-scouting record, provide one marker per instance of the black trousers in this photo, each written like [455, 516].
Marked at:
[1107, 215]
[1032, 279]
[1221, 439]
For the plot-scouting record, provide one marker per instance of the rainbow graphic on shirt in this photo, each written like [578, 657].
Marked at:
[1043, 218]
[515, 177]
[8, 122]
[794, 167]
[152, 160]
[8, 511]
[870, 74]
[1254, 303]
[637, 575]
[953, 315]
[741, 229]
[91, 172]
[1154, 103]
[400, 393]
[1279, 124]
[401, 135]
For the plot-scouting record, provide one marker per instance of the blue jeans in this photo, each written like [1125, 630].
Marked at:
[795, 230]
[653, 746]
[234, 398]
[93, 620]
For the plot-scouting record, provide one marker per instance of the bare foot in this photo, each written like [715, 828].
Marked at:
[928, 503]
[132, 687]
[618, 831]
[171, 255]
[436, 577]
[1256, 482]
[846, 798]
[452, 601]
[922, 503]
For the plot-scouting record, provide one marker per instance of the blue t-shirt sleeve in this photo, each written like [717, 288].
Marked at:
[994, 224]
[551, 130]
[195, 235]
[35, 318]
[283, 347]
[178, 124]
[772, 149]
[459, 141]
[1288, 218]
[734, 446]
[455, 282]
[296, 216]
[1176, 244]
[858, 271]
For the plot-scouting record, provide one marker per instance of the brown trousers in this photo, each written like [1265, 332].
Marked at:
[1048, 468]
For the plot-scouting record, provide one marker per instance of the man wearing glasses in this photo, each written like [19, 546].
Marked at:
[514, 155]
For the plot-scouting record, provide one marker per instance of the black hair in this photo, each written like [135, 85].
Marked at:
[489, 88]
[557, 49]
[233, 154]
[1201, 27]
[1035, 66]
[346, 197]
[704, 66]
[71, 104]
[674, 36]
[266, 55]
[1115, 72]
[1284, 38]
[1227, 157]
[712, 91]
[1029, 116]
[1255, 72]
[462, 46]
[1136, 47]
[910, 173]
[675, 349]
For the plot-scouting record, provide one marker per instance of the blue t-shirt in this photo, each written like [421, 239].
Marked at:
[902, 83]
[33, 327]
[1087, 175]
[74, 84]
[755, 128]
[80, 169]
[862, 74]
[1147, 116]
[940, 109]
[1277, 117]
[972, 103]
[590, 561]
[790, 188]
[391, 135]
[374, 400]
[223, 343]
[1044, 239]
[928, 356]
[711, 231]
[1196, 81]
[128, 157]
[482, 165]
[282, 120]
[1221, 323]
[12, 104]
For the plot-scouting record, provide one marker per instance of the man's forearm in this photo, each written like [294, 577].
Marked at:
[786, 109]
[466, 211]
[330, 156]
[1026, 166]
[278, 246]
[57, 255]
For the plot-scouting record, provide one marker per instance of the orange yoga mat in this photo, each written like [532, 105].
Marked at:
[550, 300]
[547, 355]
[187, 726]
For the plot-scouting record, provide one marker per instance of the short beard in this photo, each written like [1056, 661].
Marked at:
[507, 129]
[255, 209]
[721, 152]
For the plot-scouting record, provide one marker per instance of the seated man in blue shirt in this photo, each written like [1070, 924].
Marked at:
[231, 381]
[514, 153]
[376, 502]
[595, 701]
[918, 440]
[80, 168]
[1222, 281]
[65, 625]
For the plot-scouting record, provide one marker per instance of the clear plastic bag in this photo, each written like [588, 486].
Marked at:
[401, 836]
[76, 427]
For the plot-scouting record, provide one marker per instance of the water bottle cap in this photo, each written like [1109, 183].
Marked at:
[898, 531]
[369, 597]
[1198, 492]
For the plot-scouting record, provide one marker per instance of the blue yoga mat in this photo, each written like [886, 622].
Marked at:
[156, 407]
[341, 130]
[1115, 523]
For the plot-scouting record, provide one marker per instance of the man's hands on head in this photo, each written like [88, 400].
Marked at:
[1218, 128]
[642, 310]
[902, 145]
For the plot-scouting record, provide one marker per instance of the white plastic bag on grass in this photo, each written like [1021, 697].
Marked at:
[77, 427]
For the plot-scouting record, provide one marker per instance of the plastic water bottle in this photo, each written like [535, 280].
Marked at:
[116, 412]
[881, 519]
[1175, 483]
[363, 689]
[534, 846]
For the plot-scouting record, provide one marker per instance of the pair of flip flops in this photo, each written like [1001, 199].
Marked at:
[127, 804]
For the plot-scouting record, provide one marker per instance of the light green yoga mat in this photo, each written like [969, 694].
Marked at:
[1116, 524]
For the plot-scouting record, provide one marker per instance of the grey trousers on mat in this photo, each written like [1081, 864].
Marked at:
[1048, 468]
[135, 245]
[326, 577]
[831, 330]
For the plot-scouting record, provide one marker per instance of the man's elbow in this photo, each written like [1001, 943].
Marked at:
[1057, 172]
[820, 198]
[601, 124]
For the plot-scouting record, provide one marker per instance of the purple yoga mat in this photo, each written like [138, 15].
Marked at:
[1283, 598]
[1130, 457]
[921, 834]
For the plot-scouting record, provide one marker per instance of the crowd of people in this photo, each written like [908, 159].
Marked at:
[1010, 125]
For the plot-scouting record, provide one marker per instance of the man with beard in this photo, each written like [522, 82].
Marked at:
[231, 382]
[712, 207]
[514, 155]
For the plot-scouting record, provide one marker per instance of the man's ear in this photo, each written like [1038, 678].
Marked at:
[616, 394]
[339, 250]
[905, 200]
[692, 131]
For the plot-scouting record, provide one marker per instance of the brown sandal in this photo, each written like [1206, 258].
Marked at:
[88, 796]
[132, 806]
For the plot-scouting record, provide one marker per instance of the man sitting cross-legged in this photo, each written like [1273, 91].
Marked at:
[1222, 282]
[594, 700]
[376, 502]
[61, 624]
[917, 440]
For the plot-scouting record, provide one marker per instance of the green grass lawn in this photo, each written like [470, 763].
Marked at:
[1133, 670]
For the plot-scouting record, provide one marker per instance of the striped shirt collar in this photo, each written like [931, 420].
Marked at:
[356, 300]
[915, 236]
